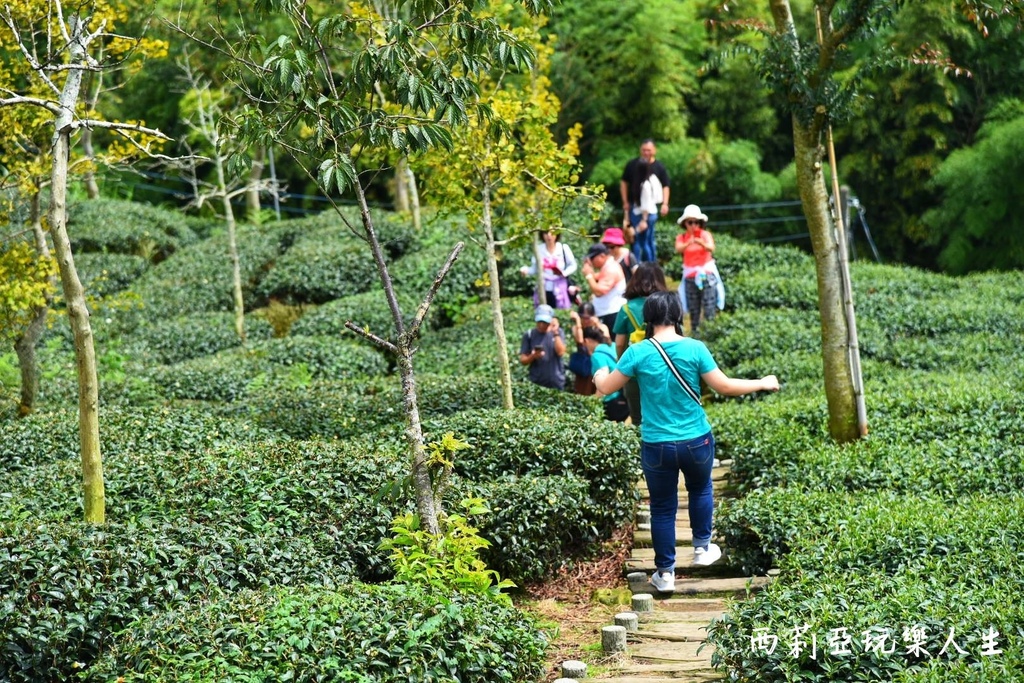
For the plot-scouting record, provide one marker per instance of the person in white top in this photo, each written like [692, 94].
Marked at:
[607, 281]
[558, 264]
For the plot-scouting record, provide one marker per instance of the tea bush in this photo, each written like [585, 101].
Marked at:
[105, 274]
[541, 443]
[52, 435]
[319, 268]
[333, 410]
[123, 227]
[386, 634]
[68, 587]
[465, 283]
[759, 334]
[199, 279]
[524, 510]
[200, 334]
[229, 375]
[369, 310]
[869, 562]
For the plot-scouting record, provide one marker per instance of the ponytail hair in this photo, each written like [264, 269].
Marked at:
[663, 308]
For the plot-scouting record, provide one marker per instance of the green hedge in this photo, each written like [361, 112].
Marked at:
[881, 560]
[67, 588]
[539, 442]
[919, 429]
[105, 274]
[760, 334]
[369, 310]
[371, 634]
[200, 279]
[342, 410]
[524, 511]
[293, 361]
[318, 268]
[123, 227]
[195, 335]
[52, 435]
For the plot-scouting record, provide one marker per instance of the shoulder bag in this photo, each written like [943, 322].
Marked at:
[671, 366]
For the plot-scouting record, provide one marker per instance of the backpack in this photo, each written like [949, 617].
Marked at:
[639, 332]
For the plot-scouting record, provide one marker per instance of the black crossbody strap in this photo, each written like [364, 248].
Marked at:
[671, 366]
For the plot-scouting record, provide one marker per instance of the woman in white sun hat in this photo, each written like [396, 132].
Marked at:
[702, 285]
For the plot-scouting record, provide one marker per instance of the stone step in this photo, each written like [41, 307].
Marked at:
[683, 655]
[692, 676]
[642, 559]
[730, 586]
[684, 536]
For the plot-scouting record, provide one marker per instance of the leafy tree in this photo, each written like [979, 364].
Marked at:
[202, 109]
[626, 67]
[978, 222]
[347, 81]
[47, 51]
[927, 100]
[509, 171]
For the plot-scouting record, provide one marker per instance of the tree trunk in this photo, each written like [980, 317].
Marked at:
[236, 266]
[25, 346]
[92, 190]
[505, 373]
[402, 185]
[252, 191]
[414, 197]
[74, 294]
[839, 389]
[427, 506]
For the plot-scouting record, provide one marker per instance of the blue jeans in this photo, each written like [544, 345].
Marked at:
[643, 243]
[662, 463]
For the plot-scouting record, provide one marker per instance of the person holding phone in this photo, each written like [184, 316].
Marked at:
[542, 349]
[557, 265]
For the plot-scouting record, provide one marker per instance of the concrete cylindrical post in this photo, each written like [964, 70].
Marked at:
[574, 669]
[643, 602]
[638, 582]
[643, 518]
[613, 638]
[627, 620]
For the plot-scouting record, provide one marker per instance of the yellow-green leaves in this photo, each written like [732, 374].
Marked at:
[25, 283]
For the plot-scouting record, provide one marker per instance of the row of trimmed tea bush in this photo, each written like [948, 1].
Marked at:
[385, 634]
[331, 409]
[874, 564]
[944, 433]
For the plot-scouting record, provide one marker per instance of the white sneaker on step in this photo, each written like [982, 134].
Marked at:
[664, 581]
[706, 557]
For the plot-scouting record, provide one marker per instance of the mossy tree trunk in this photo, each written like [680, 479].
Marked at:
[25, 345]
[505, 373]
[809, 153]
[74, 293]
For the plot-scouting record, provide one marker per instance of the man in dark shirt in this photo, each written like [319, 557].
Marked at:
[542, 349]
[629, 179]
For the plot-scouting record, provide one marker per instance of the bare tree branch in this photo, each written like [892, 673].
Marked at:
[424, 308]
[366, 334]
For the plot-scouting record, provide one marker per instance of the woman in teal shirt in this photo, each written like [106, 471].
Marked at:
[602, 355]
[676, 436]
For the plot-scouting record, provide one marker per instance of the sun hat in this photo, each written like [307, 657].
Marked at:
[597, 250]
[613, 236]
[692, 211]
[543, 314]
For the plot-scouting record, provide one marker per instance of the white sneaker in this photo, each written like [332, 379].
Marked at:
[664, 582]
[706, 557]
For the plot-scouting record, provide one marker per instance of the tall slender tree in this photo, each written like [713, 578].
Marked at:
[51, 49]
[347, 80]
[513, 175]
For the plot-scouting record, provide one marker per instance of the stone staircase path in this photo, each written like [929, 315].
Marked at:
[668, 645]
